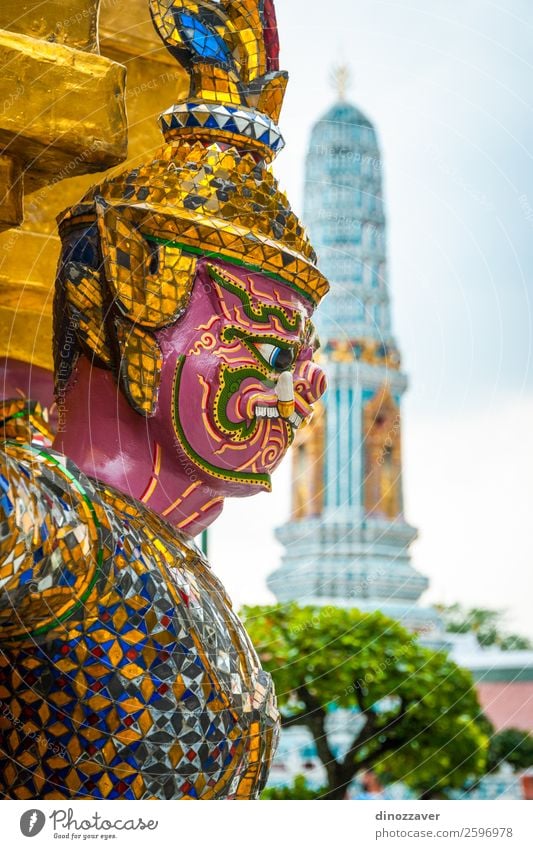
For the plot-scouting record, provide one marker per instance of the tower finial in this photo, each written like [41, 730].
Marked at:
[231, 51]
[340, 79]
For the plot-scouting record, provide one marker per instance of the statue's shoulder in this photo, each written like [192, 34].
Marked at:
[67, 541]
[146, 541]
[54, 539]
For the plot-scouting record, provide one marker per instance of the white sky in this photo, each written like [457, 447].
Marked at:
[448, 84]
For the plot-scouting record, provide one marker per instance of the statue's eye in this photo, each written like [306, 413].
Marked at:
[278, 358]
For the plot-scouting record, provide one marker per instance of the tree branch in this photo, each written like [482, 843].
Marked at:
[359, 698]
[350, 765]
[371, 759]
[294, 719]
[364, 735]
[316, 716]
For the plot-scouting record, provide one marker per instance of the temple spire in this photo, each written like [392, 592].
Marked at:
[347, 541]
[340, 80]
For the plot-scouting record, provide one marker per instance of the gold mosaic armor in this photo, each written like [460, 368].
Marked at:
[124, 673]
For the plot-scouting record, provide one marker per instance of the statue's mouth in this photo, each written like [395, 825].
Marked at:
[295, 420]
[283, 403]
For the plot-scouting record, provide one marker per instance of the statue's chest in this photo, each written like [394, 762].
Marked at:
[154, 680]
[152, 644]
[150, 688]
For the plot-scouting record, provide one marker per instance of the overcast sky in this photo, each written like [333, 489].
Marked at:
[448, 84]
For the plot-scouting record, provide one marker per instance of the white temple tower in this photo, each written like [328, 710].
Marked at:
[347, 541]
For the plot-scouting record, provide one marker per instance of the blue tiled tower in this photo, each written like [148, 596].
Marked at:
[347, 541]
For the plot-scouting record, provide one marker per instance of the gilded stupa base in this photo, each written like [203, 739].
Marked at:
[70, 22]
[44, 131]
[11, 197]
[26, 308]
[82, 117]
[62, 114]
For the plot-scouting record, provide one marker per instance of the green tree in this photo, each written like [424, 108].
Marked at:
[418, 719]
[485, 624]
[511, 746]
[298, 791]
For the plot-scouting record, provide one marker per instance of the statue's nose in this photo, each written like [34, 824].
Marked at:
[310, 381]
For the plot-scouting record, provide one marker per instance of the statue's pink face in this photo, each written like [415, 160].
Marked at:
[238, 378]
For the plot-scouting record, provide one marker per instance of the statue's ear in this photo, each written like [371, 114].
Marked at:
[150, 283]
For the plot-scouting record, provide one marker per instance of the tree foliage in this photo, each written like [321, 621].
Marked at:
[511, 746]
[485, 624]
[421, 718]
[298, 791]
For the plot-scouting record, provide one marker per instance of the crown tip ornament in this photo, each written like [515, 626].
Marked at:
[231, 51]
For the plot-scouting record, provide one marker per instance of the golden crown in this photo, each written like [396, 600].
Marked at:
[209, 190]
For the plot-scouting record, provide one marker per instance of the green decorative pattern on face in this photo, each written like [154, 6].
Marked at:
[255, 478]
[259, 312]
[230, 383]
[229, 334]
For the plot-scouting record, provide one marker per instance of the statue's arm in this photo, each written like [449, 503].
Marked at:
[51, 548]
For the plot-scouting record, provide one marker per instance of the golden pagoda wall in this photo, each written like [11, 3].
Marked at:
[29, 254]
[308, 468]
[72, 22]
[382, 456]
